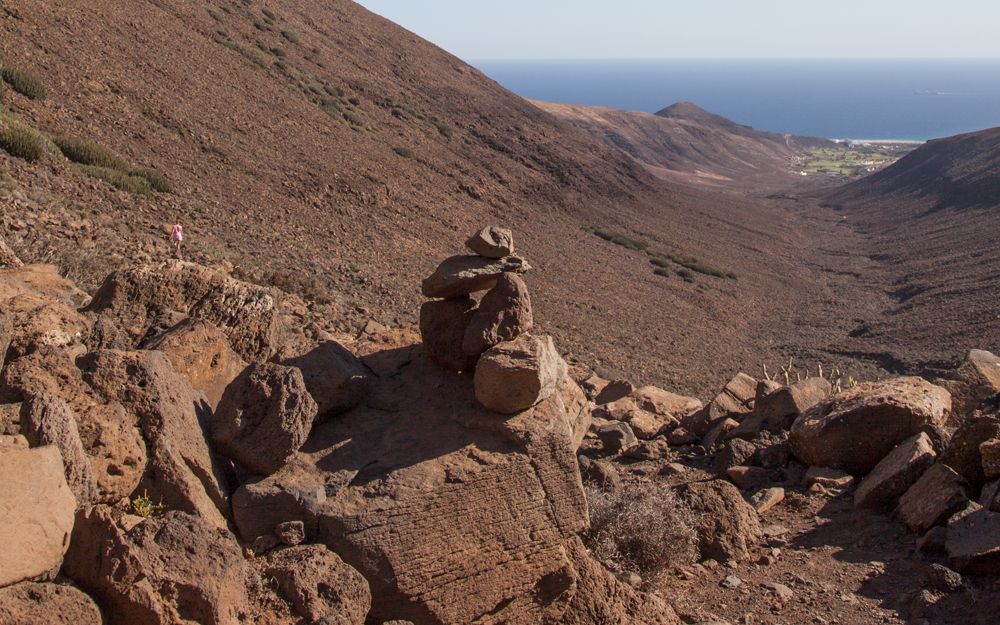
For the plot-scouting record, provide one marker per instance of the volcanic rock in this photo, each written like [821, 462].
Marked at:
[613, 391]
[649, 450]
[939, 493]
[664, 403]
[616, 437]
[443, 324]
[462, 275]
[895, 474]
[974, 381]
[320, 585]
[645, 425]
[504, 314]
[944, 579]
[28, 603]
[36, 515]
[126, 563]
[515, 375]
[827, 478]
[718, 434]
[334, 377]
[973, 541]
[736, 452]
[264, 417]
[855, 429]
[600, 472]
[989, 451]
[782, 407]
[963, 453]
[47, 420]
[200, 353]
[727, 525]
[292, 533]
[735, 399]
[750, 478]
[492, 242]
[41, 308]
[764, 500]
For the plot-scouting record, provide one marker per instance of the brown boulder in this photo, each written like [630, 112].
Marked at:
[973, 541]
[661, 402]
[47, 420]
[989, 451]
[264, 417]
[36, 512]
[334, 377]
[169, 570]
[613, 391]
[855, 429]
[504, 314]
[895, 473]
[938, 494]
[976, 379]
[41, 308]
[645, 425]
[492, 242]
[963, 453]
[247, 314]
[515, 375]
[717, 436]
[28, 603]
[201, 355]
[463, 275]
[782, 407]
[728, 526]
[181, 470]
[442, 326]
[320, 585]
[735, 399]
[593, 386]
[601, 473]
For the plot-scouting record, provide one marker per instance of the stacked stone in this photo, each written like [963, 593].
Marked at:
[513, 369]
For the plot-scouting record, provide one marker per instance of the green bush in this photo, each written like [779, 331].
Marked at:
[252, 53]
[279, 52]
[444, 129]
[660, 262]
[354, 100]
[22, 143]
[687, 275]
[87, 152]
[215, 16]
[120, 180]
[405, 152]
[23, 83]
[290, 35]
[155, 179]
[268, 14]
[662, 272]
[354, 119]
[621, 239]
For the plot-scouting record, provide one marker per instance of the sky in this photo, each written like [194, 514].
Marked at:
[665, 29]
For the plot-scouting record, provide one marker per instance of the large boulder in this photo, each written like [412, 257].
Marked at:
[464, 516]
[36, 511]
[29, 603]
[492, 242]
[855, 429]
[181, 470]
[334, 377]
[727, 525]
[247, 314]
[504, 314]
[169, 570]
[976, 379]
[442, 326]
[782, 407]
[736, 399]
[938, 494]
[516, 375]
[895, 474]
[264, 417]
[973, 541]
[463, 275]
[41, 309]
[201, 355]
[963, 453]
[320, 585]
[47, 420]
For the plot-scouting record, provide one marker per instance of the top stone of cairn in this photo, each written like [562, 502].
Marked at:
[492, 242]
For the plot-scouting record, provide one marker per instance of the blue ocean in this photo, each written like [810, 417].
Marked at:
[889, 99]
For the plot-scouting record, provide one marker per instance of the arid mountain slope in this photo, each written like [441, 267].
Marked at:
[285, 164]
[686, 143]
[931, 222]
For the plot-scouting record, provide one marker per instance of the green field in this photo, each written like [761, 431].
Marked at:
[845, 160]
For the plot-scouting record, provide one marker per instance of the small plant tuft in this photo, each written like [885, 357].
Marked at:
[290, 35]
[120, 180]
[444, 129]
[687, 275]
[21, 142]
[660, 271]
[356, 101]
[87, 152]
[404, 152]
[143, 506]
[155, 179]
[620, 239]
[268, 14]
[23, 83]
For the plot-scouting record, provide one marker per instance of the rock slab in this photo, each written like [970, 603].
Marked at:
[516, 375]
[939, 493]
[463, 275]
[28, 603]
[47, 420]
[895, 474]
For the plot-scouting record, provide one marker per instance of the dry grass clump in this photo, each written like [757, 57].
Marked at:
[23, 83]
[640, 528]
[119, 180]
[155, 179]
[21, 142]
[86, 152]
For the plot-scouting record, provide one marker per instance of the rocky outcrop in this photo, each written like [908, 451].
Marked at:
[939, 493]
[516, 375]
[40, 308]
[973, 541]
[855, 429]
[976, 379]
[166, 570]
[247, 314]
[200, 353]
[36, 510]
[47, 420]
[28, 603]
[963, 453]
[736, 399]
[463, 275]
[727, 525]
[264, 417]
[320, 586]
[780, 408]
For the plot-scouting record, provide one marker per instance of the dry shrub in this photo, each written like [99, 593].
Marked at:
[86, 152]
[22, 142]
[640, 528]
[23, 83]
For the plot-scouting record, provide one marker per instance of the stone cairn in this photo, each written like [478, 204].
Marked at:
[513, 369]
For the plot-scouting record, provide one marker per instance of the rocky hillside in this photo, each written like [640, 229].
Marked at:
[686, 143]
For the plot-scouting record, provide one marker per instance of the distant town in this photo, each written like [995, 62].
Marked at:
[851, 158]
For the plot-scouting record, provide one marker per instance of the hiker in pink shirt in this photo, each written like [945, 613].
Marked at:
[176, 236]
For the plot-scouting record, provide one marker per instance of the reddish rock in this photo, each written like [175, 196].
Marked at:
[974, 381]
[735, 399]
[47, 420]
[661, 402]
[334, 377]
[616, 437]
[963, 453]
[782, 407]
[36, 512]
[973, 541]
[827, 478]
[504, 314]
[645, 425]
[593, 386]
[649, 450]
[855, 429]
[750, 478]
[680, 436]
[601, 473]
[28, 603]
[40, 307]
[748, 429]
[767, 499]
[939, 493]
[442, 326]
[264, 417]
[320, 585]
[989, 451]
[518, 374]
[613, 391]
[735, 453]
[200, 353]
[492, 242]
[718, 434]
[727, 526]
[463, 275]
[895, 474]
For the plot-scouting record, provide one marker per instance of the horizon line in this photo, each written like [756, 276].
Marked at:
[760, 58]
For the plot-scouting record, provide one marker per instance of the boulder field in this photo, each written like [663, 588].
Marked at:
[188, 448]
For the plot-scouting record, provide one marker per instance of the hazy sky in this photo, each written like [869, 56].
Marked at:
[606, 29]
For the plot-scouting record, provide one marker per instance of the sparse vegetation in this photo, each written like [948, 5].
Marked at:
[155, 179]
[216, 16]
[21, 142]
[662, 272]
[444, 129]
[280, 52]
[120, 180]
[619, 239]
[268, 14]
[23, 83]
[290, 35]
[143, 506]
[353, 118]
[404, 152]
[687, 275]
[640, 529]
[356, 101]
[86, 152]
[252, 53]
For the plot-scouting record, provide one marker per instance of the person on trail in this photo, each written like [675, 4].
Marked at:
[176, 236]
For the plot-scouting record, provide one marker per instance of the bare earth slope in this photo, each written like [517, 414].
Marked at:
[931, 222]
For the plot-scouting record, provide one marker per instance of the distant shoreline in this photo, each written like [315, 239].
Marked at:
[884, 141]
